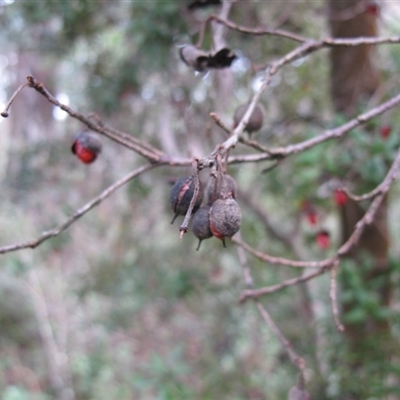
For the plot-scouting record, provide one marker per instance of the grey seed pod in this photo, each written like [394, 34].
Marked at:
[194, 57]
[201, 224]
[225, 218]
[181, 195]
[228, 188]
[256, 119]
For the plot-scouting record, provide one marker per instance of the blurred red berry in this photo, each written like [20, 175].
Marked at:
[384, 131]
[323, 239]
[340, 197]
[309, 211]
[86, 147]
[312, 217]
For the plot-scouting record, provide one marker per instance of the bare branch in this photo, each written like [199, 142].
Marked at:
[300, 51]
[5, 113]
[281, 152]
[284, 261]
[294, 357]
[359, 41]
[219, 122]
[328, 263]
[257, 31]
[144, 149]
[384, 186]
[184, 227]
[77, 214]
[255, 293]
[333, 297]
[304, 49]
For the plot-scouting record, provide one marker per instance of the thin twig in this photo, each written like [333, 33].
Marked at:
[388, 180]
[281, 152]
[299, 52]
[326, 264]
[254, 144]
[256, 31]
[219, 122]
[77, 214]
[5, 113]
[184, 226]
[270, 167]
[144, 149]
[294, 357]
[251, 143]
[333, 297]
[259, 31]
[284, 261]
[255, 293]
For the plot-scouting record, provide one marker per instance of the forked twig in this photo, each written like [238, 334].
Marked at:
[31, 244]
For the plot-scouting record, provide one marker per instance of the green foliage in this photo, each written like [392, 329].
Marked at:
[364, 298]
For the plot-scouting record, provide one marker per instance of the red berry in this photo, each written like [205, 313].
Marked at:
[309, 210]
[86, 147]
[341, 197]
[312, 217]
[384, 131]
[84, 154]
[323, 239]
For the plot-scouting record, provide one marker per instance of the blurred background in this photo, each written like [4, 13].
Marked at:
[118, 307]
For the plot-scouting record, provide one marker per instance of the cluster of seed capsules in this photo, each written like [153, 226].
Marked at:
[220, 216]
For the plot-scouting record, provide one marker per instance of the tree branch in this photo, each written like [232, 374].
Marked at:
[295, 358]
[255, 293]
[260, 31]
[144, 149]
[281, 152]
[256, 31]
[77, 214]
[328, 263]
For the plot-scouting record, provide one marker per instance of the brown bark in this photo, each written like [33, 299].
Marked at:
[354, 75]
[354, 78]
